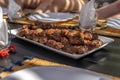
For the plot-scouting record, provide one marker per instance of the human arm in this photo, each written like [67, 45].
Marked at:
[109, 10]
[3, 3]
[49, 5]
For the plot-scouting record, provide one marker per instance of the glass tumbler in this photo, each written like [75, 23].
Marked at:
[4, 39]
[89, 25]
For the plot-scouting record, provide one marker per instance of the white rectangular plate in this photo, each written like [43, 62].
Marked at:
[105, 40]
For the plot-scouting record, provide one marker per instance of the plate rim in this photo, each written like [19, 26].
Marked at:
[65, 68]
[48, 21]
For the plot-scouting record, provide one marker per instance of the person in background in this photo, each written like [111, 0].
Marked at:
[30, 4]
[110, 11]
[48, 5]
[41, 6]
[60, 6]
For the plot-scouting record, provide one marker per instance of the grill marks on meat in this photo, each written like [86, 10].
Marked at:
[42, 40]
[75, 49]
[80, 49]
[55, 44]
[75, 41]
[71, 41]
[54, 34]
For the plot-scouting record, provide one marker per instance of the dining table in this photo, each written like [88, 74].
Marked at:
[105, 61]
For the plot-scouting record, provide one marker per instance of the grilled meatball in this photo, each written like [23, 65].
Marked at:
[75, 40]
[68, 48]
[42, 40]
[73, 33]
[25, 27]
[50, 31]
[90, 36]
[64, 32]
[38, 31]
[64, 40]
[87, 42]
[34, 27]
[80, 49]
[97, 43]
[54, 44]
[23, 32]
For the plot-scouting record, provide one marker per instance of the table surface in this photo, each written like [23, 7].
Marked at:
[106, 60]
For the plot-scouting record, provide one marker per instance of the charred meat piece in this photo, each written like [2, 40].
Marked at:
[42, 40]
[30, 27]
[90, 36]
[75, 49]
[42, 34]
[54, 37]
[57, 35]
[38, 31]
[64, 40]
[87, 42]
[80, 49]
[23, 32]
[95, 36]
[68, 48]
[35, 38]
[25, 27]
[70, 33]
[75, 41]
[31, 35]
[54, 34]
[97, 43]
[54, 44]
[73, 33]
[64, 32]
[50, 31]
[34, 27]
[58, 31]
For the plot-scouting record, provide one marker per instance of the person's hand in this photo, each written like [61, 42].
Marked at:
[3, 3]
[114, 17]
[59, 6]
